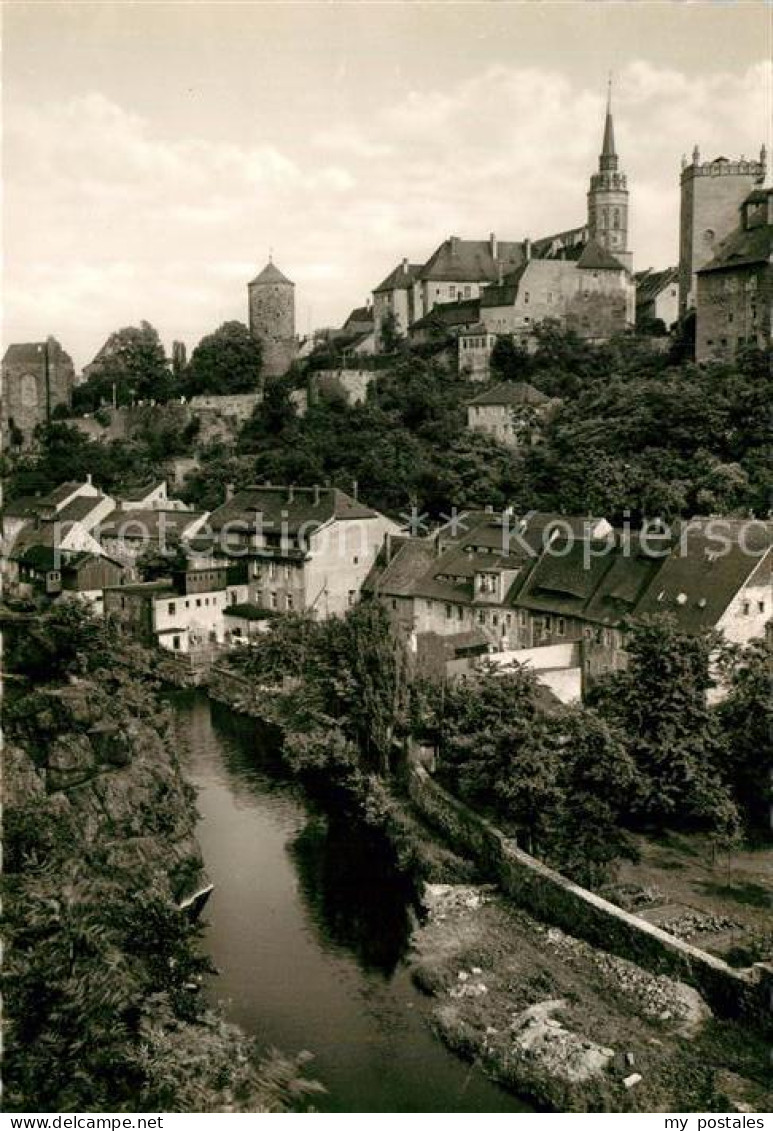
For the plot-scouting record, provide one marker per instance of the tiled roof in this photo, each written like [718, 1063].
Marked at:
[449, 314]
[146, 524]
[270, 274]
[698, 585]
[409, 561]
[59, 494]
[79, 508]
[511, 393]
[402, 277]
[472, 261]
[597, 258]
[742, 247]
[649, 284]
[565, 578]
[308, 507]
[360, 314]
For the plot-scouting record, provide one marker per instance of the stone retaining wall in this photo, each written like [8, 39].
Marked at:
[553, 898]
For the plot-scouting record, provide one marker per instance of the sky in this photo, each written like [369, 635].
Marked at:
[155, 154]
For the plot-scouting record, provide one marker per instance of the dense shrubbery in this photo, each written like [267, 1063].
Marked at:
[101, 969]
[646, 752]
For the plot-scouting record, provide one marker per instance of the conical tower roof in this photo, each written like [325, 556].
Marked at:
[271, 274]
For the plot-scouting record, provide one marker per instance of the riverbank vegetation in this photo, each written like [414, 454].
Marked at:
[647, 751]
[103, 972]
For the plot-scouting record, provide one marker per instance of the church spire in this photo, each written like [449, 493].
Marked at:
[608, 146]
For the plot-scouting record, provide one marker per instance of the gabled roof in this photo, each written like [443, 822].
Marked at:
[743, 247]
[409, 560]
[472, 261]
[147, 524]
[288, 508]
[402, 277]
[649, 284]
[80, 508]
[597, 258]
[560, 244]
[511, 393]
[360, 314]
[565, 577]
[270, 274]
[696, 583]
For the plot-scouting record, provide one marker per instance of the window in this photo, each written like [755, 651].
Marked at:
[481, 617]
[187, 604]
[452, 292]
[467, 292]
[526, 298]
[761, 606]
[460, 613]
[449, 612]
[561, 627]
[616, 221]
[289, 601]
[394, 599]
[494, 619]
[745, 608]
[355, 560]
[274, 601]
[429, 606]
[198, 602]
[271, 570]
[176, 643]
[730, 317]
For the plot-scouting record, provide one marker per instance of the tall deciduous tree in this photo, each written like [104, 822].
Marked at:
[132, 366]
[224, 362]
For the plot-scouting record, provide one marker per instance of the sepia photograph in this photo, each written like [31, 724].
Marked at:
[386, 561]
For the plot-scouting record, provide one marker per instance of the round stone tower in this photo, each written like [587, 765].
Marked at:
[608, 198]
[272, 318]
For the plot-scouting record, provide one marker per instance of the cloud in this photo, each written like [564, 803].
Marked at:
[108, 221]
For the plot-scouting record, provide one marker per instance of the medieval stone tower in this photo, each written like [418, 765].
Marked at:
[608, 198]
[712, 194]
[272, 319]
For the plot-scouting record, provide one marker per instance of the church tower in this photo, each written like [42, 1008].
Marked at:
[272, 318]
[608, 197]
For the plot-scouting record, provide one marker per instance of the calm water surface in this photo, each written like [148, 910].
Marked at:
[308, 928]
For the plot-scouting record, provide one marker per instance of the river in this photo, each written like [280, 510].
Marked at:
[308, 929]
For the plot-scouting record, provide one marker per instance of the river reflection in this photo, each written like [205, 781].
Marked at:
[308, 926]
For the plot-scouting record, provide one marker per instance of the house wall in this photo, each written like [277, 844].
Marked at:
[279, 584]
[434, 291]
[197, 619]
[750, 610]
[475, 354]
[342, 554]
[733, 309]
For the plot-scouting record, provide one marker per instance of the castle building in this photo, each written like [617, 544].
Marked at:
[271, 298]
[711, 194]
[581, 276]
[38, 377]
[608, 198]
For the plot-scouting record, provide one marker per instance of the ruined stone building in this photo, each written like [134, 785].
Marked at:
[38, 377]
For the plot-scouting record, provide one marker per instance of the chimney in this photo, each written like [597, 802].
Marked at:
[290, 493]
[493, 245]
[355, 489]
[527, 249]
[388, 547]
[454, 242]
[229, 492]
[316, 494]
[405, 266]
[88, 478]
[500, 274]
